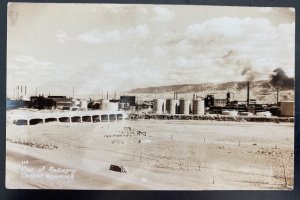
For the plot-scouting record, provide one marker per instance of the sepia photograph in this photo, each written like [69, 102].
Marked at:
[149, 97]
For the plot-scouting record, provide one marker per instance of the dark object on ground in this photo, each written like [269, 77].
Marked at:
[140, 132]
[117, 168]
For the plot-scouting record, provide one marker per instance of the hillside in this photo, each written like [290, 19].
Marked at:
[261, 90]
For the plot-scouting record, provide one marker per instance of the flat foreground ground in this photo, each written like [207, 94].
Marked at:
[170, 155]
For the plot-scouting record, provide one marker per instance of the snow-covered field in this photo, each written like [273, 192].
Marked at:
[173, 155]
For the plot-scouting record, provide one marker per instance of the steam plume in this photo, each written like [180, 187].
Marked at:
[248, 72]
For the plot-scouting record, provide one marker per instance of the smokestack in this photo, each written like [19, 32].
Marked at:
[248, 93]
[73, 92]
[228, 98]
[107, 95]
[174, 95]
[277, 96]
[102, 95]
[25, 90]
[18, 92]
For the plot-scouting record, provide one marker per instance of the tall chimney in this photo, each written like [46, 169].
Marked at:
[277, 95]
[107, 95]
[73, 91]
[248, 93]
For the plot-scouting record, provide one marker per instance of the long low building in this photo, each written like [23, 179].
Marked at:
[32, 117]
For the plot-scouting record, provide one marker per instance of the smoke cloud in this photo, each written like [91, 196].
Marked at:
[281, 80]
[248, 72]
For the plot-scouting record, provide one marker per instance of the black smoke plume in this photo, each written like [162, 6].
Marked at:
[281, 81]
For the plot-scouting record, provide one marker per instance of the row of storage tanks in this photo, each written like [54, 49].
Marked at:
[182, 106]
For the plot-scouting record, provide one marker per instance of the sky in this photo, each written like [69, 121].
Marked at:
[52, 48]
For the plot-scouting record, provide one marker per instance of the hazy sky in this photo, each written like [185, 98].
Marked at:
[95, 47]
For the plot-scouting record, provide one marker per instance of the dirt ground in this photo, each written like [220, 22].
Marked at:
[170, 155]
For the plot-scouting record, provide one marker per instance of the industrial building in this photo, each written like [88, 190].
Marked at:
[128, 100]
[287, 108]
[227, 106]
[34, 118]
[51, 102]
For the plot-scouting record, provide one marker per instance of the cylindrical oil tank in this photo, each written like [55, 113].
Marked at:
[159, 106]
[198, 107]
[174, 104]
[184, 106]
[168, 103]
[104, 104]
[83, 104]
[287, 108]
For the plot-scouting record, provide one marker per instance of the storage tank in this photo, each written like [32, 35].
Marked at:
[159, 106]
[174, 104]
[168, 103]
[287, 108]
[104, 104]
[171, 106]
[198, 107]
[184, 106]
